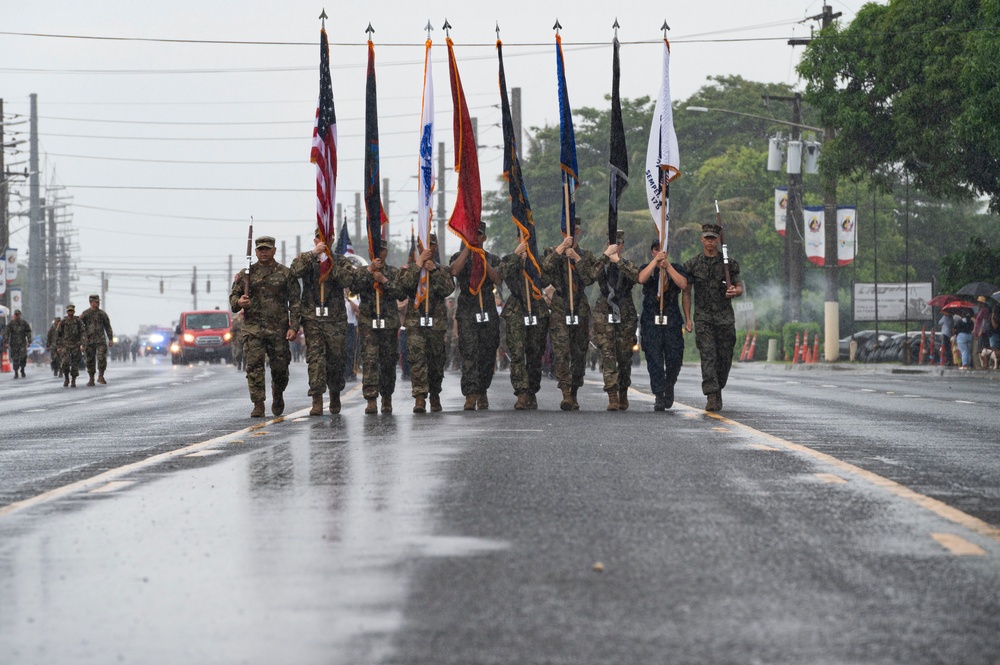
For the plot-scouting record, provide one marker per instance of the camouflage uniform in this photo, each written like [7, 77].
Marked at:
[569, 342]
[526, 344]
[714, 319]
[236, 341]
[379, 346]
[477, 340]
[615, 340]
[663, 345]
[324, 334]
[53, 348]
[98, 325]
[17, 336]
[274, 295]
[425, 345]
[70, 337]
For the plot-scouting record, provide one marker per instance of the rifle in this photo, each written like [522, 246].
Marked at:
[722, 244]
[246, 275]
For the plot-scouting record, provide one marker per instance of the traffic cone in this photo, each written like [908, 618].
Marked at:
[815, 352]
[805, 347]
[743, 353]
[753, 347]
[5, 363]
[923, 340]
[795, 350]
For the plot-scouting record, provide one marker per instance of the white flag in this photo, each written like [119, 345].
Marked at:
[815, 234]
[11, 264]
[780, 209]
[425, 177]
[662, 157]
[847, 234]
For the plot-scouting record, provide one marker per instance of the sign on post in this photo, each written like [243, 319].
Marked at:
[895, 302]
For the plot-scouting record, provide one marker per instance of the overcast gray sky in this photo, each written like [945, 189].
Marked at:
[166, 148]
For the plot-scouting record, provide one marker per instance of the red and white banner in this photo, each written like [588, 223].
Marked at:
[780, 209]
[847, 234]
[814, 234]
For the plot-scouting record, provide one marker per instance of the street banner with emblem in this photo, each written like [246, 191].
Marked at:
[815, 234]
[780, 209]
[847, 234]
[11, 264]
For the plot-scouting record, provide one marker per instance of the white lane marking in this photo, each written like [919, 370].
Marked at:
[205, 453]
[867, 390]
[962, 401]
[827, 385]
[34, 410]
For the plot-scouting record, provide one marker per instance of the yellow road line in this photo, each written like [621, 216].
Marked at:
[957, 545]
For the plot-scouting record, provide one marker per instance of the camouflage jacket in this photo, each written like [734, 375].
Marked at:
[468, 304]
[18, 334]
[512, 271]
[306, 267]
[555, 272]
[274, 299]
[50, 338]
[707, 276]
[97, 324]
[364, 286]
[441, 286]
[71, 332]
[625, 277]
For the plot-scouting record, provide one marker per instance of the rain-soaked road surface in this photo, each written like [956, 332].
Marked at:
[826, 517]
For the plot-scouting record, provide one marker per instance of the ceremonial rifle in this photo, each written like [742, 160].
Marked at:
[246, 275]
[722, 244]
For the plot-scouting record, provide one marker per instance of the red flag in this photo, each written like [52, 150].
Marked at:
[324, 154]
[466, 216]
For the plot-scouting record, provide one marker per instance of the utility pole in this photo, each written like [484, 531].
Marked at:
[357, 216]
[36, 228]
[51, 264]
[194, 288]
[442, 220]
[831, 304]
[385, 199]
[4, 229]
[104, 298]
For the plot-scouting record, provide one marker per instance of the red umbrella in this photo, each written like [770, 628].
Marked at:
[942, 300]
[956, 305]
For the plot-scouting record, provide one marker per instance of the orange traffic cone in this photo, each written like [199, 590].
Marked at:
[743, 353]
[923, 341]
[5, 363]
[753, 347]
[815, 352]
[795, 350]
[943, 355]
[805, 347]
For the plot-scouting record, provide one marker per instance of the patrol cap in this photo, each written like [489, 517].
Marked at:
[710, 230]
[481, 230]
[70, 308]
[655, 244]
[96, 297]
[264, 241]
[17, 311]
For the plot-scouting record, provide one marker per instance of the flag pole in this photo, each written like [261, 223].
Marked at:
[663, 232]
[569, 262]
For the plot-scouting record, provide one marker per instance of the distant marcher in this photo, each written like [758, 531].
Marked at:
[661, 332]
[378, 319]
[53, 348]
[71, 337]
[99, 338]
[17, 338]
[270, 321]
[526, 334]
[714, 318]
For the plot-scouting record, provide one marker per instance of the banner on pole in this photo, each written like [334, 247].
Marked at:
[780, 209]
[847, 234]
[814, 234]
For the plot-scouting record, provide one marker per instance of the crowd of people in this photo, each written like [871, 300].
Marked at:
[427, 316]
[976, 335]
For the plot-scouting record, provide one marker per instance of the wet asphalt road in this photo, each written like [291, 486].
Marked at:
[826, 517]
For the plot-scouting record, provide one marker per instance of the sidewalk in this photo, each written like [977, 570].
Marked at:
[870, 368]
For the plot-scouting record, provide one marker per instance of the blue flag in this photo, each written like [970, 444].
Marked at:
[567, 148]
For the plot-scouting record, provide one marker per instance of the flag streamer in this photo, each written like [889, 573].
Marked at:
[467, 214]
[520, 208]
[324, 155]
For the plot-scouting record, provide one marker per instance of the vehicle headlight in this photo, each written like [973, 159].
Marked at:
[175, 348]
[189, 338]
[228, 336]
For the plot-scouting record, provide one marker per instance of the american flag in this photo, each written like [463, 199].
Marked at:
[324, 153]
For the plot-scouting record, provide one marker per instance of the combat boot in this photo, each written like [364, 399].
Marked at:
[420, 404]
[386, 403]
[435, 403]
[576, 405]
[277, 403]
[258, 410]
[713, 403]
[718, 396]
[470, 403]
[613, 399]
[22, 373]
[91, 382]
[334, 401]
[66, 382]
[623, 399]
[72, 382]
[522, 402]
[372, 406]
[483, 403]
[661, 403]
[532, 402]
[567, 401]
[100, 378]
[317, 406]
[16, 375]
[668, 397]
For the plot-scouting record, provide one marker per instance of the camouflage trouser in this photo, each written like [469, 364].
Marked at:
[478, 342]
[275, 347]
[425, 350]
[615, 341]
[664, 348]
[526, 344]
[56, 362]
[715, 343]
[97, 358]
[324, 356]
[569, 349]
[379, 357]
[18, 356]
[70, 356]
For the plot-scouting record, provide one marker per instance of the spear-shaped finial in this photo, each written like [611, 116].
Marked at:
[616, 26]
[557, 27]
[428, 28]
[664, 28]
[323, 17]
[498, 30]
[447, 28]
[370, 31]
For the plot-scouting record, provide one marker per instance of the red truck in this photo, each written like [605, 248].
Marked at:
[202, 335]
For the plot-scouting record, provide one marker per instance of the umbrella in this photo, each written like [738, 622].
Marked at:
[957, 305]
[996, 296]
[941, 300]
[976, 289]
